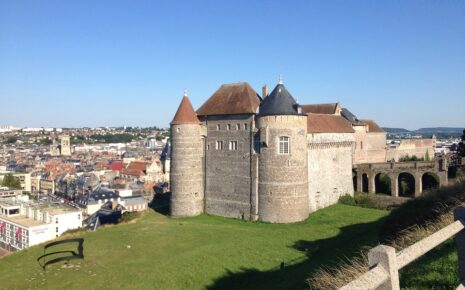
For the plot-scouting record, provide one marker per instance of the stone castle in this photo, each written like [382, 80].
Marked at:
[266, 157]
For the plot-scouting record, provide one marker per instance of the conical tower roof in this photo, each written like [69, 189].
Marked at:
[185, 113]
[279, 102]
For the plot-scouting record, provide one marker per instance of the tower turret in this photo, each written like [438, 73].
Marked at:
[65, 145]
[283, 164]
[186, 175]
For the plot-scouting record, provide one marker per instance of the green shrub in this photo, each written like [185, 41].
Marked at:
[129, 216]
[364, 200]
[407, 158]
[422, 210]
[347, 200]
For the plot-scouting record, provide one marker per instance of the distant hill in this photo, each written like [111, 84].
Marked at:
[427, 132]
[395, 130]
[440, 130]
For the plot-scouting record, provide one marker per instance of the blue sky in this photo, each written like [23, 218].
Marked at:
[111, 63]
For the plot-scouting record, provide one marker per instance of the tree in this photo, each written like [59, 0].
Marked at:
[461, 149]
[11, 181]
[427, 158]
[11, 139]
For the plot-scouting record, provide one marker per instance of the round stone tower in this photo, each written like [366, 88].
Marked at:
[283, 164]
[186, 175]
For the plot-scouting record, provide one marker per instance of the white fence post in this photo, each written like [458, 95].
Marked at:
[459, 214]
[385, 256]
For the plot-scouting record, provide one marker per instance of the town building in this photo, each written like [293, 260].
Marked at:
[63, 148]
[24, 224]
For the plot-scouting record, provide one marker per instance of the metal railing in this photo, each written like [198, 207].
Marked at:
[385, 263]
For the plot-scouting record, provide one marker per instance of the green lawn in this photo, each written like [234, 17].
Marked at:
[204, 252]
[435, 270]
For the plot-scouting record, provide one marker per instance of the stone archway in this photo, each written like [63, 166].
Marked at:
[364, 183]
[406, 184]
[383, 183]
[354, 179]
[430, 180]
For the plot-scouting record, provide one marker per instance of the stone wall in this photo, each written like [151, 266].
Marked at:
[412, 147]
[359, 151]
[187, 190]
[329, 168]
[283, 178]
[369, 147]
[376, 147]
[228, 172]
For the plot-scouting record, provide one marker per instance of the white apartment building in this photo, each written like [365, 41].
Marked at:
[25, 224]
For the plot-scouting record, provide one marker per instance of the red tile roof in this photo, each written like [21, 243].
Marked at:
[229, 99]
[324, 123]
[132, 172]
[116, 165]
[185, 113]
[137, 165]
[372, 126]
[149, 185]
[320, 108]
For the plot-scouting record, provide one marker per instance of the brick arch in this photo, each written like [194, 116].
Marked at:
[430, 180]
[393, 169]
[365, 182]
[379, 187]
[407, 183]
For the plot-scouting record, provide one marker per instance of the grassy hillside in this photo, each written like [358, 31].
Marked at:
[157, 252]
[435, 270]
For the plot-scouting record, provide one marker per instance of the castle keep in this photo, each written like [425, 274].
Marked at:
[257, 157]
[268, 158]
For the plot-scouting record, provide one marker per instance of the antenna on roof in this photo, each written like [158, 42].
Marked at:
[280, 80]
[185, 92]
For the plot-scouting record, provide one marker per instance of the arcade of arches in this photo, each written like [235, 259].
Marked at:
[407, 179]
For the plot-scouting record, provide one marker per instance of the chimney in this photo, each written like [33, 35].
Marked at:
[264, 91]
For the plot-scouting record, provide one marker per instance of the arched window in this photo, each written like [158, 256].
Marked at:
[284, 145]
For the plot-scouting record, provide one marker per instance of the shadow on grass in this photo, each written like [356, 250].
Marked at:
[293, 274]
[161, 203]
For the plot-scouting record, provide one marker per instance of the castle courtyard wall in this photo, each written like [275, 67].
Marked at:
[359, 153]
[412, 147]
[376, 147]
[329, 168]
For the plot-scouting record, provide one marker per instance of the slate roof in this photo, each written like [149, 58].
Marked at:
[324, 123]
[350, 117]
[373, 127]
[230, 99]
[279, 102]
[134, 200]
[320, 108]
[185, 113]
[166, 153]
[95, 196]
